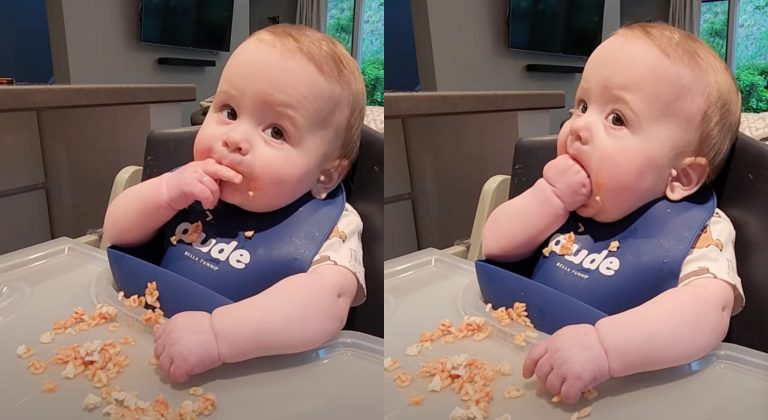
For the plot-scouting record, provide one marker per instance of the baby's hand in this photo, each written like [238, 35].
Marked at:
[198, 180]
[185, 345]
[568, 363]
[569, 181]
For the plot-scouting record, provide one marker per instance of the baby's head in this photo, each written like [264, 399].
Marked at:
[655, 115]
[287, 115]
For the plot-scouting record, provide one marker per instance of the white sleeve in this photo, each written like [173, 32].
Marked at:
[345, 248]
[713, 256]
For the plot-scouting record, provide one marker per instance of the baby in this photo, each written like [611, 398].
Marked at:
[655, 115]
[275, 235]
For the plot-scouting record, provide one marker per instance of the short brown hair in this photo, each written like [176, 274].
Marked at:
[333, 61]
[719, 123]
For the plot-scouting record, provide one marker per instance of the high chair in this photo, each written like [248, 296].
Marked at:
[742, 193]
[364, 184]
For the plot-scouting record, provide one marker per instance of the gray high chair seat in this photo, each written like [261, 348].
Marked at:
[364, 185]
[742, 193]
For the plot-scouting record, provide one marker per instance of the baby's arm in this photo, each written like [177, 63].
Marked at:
[674, 328]
[301, 312]
[517, 227]
[138, 212]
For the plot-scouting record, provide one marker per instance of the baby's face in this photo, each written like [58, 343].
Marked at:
[635, 119]
[274, 120]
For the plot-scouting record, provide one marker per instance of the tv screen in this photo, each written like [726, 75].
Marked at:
[201, 24]
[571, 27]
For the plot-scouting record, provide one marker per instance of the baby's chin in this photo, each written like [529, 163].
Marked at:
[597, 212]
[250, 200]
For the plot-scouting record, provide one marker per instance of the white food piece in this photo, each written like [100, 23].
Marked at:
[436, 385]
[91, 402]
[46, 337]
[69, 371]
[459, 413]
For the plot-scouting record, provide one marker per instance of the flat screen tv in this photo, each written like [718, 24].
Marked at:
[570, 27]
[200, 24]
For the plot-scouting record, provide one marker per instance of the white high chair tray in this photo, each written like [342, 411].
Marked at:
[425, 287]
[44, 283]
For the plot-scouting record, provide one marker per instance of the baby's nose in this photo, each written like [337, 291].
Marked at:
[234, 144]
[580, 131]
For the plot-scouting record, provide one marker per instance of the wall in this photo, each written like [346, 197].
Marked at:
[469, 51]
[97, 42]
[24, 50]
[638, 11]
[260, 9]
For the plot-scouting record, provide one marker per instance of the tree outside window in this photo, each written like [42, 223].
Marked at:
[341, 21]
[751, 55]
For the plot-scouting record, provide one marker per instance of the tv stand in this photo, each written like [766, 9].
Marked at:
[551, 68]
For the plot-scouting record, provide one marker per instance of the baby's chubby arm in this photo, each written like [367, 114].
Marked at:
[136, 214]
[517, 227]
[676, 327]
[299, 313]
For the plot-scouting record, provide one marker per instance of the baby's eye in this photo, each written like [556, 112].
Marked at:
[229, 112]
[582, 107]
[616, 119]
[274, 132]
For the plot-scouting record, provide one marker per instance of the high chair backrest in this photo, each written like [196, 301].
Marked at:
[364, 184]
[742, 193]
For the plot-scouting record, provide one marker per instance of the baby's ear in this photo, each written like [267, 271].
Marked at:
[329, 177]
[687, 178]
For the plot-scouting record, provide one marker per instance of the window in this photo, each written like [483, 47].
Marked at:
[359, 26]
[714, 25]
[751, 58]
[748, 55]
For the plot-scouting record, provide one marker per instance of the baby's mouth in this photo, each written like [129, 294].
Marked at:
[578, 162]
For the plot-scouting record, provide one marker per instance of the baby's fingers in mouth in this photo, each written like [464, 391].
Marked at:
[230, 175]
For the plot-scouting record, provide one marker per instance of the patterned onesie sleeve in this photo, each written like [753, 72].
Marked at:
[712, 256]
[344, 248]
